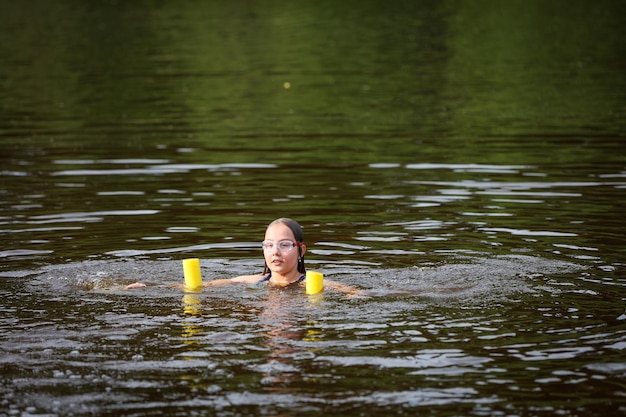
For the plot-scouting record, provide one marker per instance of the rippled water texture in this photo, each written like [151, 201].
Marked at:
[461, 163]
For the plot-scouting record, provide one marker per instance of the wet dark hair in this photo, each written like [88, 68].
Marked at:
[298, 234]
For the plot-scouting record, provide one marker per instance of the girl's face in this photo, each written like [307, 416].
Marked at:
[282, 263]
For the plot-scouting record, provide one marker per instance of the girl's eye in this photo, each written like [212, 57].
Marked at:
[285, 245]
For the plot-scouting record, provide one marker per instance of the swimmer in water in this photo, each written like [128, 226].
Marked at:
[283, 250]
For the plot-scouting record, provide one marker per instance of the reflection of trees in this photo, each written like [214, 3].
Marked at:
[370, 67]
[145, 67]
[81, 63]
[532, 68]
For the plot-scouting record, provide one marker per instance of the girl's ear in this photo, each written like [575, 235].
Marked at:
[303, 249]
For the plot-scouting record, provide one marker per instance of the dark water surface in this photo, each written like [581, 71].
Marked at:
[461, 162]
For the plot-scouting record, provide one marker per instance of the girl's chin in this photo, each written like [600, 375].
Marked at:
[279, 269]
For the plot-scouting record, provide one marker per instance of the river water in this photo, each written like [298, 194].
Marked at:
[460, 162]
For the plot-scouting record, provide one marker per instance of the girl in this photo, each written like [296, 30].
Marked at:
[283, 250]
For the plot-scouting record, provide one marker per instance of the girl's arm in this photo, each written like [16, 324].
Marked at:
[243, 279]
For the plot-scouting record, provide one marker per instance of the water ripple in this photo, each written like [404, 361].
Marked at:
[162, 169]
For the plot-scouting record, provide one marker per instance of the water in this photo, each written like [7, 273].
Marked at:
[460, 162]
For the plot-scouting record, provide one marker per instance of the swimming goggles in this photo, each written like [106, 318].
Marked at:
[283, 245]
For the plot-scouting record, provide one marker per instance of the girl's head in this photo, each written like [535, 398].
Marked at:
[284, 261]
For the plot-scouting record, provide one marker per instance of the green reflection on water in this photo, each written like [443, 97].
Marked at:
[541, 68]
[212, 74]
